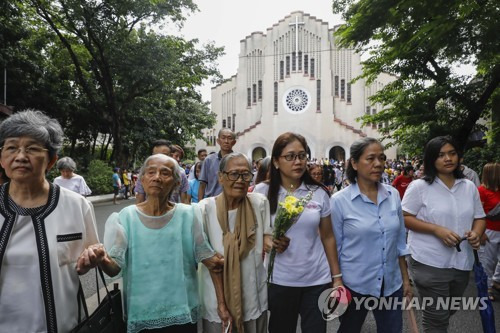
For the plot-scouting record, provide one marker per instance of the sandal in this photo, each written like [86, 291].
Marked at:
[491, 295]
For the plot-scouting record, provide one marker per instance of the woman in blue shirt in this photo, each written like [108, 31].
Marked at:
[371, 240]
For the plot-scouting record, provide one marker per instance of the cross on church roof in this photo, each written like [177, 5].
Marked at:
[296, 24]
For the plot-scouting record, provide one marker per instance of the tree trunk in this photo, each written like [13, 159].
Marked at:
[106, 148]
[494, 138]
[72, 149]
[102, 147]
[92, 152]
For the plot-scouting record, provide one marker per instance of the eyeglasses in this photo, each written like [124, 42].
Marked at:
[235, 175]
[293, 156]
[11, 150]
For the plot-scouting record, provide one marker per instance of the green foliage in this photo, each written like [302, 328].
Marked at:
[421, 44]
[476, 158]
[99, 177]
[103, 68]
[52, 174]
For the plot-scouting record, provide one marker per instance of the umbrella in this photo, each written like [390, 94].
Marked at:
[487, 315]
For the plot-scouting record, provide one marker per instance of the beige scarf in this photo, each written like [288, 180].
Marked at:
[237, 245]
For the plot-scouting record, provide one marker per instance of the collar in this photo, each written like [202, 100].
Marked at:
[457, 181]
[383, 192]
[219, 154]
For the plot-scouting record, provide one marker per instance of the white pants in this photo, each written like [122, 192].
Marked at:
[489, 255]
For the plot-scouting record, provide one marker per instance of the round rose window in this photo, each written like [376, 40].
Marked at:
[296, 100]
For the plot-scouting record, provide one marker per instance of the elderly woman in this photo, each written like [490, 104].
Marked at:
[237, 224]
[69, 179]
[43, 230]
[157, 245]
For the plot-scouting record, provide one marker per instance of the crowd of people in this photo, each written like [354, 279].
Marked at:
[194, 248]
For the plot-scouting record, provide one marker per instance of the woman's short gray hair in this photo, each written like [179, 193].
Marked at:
[66, 163]
[34, 124]
[225, 160]
[175, 172]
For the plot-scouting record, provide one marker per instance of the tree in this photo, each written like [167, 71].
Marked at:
[119, 63]
[421, 43]
[39, 75]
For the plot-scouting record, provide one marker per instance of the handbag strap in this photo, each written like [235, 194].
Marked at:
[476, 258]
[81, 303]
[97, 287]
[98, 269]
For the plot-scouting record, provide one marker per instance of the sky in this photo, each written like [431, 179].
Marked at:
[226, 22]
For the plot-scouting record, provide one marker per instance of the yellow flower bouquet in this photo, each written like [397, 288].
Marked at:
[287, 214]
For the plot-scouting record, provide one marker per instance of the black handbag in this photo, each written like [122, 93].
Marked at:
[108, 317]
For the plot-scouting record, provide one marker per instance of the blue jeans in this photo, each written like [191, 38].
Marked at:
[388, 321]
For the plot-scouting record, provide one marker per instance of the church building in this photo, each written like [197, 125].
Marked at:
[295, 78]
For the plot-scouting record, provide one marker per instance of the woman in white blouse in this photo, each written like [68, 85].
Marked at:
[43, 230]
[442, 210]
[237, 225]
[69, 179]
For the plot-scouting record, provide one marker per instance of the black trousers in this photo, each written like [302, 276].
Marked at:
[286, 303]
[186, 328]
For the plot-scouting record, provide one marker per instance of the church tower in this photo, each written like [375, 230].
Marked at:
[295, 78]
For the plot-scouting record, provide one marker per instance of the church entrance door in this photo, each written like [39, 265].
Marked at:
[337, 153]
[257, 153]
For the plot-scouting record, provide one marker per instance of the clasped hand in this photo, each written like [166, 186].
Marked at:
[90, 258]
[451, 238]
[214, 263]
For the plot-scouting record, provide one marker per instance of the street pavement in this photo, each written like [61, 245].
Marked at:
[466, 321]
[102, 209]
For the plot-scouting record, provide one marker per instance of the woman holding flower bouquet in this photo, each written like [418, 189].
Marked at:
[306, 261]
[371, 239]
[238, 225]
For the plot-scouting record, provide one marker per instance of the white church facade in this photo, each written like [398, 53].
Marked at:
[295, 78]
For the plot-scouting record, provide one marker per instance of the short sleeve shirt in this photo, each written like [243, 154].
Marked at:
[304, 262]
[116, 180]
[208, 175]
[454, 209]
[370, 239]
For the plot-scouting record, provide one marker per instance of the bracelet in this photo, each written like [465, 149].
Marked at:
[336, 275]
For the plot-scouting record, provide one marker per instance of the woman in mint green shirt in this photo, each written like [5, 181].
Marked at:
[156, 246]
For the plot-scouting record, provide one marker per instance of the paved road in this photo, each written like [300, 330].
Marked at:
[102, 212]
[463, 321]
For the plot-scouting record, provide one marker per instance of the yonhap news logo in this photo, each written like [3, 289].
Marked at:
[333, 302]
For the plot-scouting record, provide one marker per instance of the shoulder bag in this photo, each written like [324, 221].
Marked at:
[108, 317]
